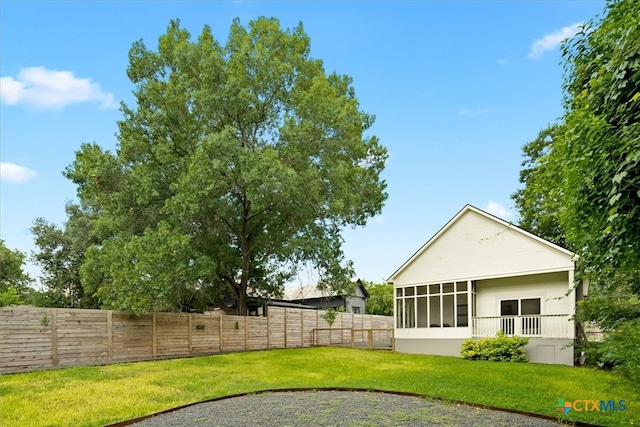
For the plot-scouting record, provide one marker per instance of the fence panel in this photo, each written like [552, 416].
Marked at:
[26, 339]
[205, 334]
[277, 330]
[309, 323]
[172, 334]
[257, 333]
[293, 324]
[82, 337]
[132, 337]
[234, 337]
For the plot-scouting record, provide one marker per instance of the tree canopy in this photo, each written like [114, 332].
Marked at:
[582, 177]
[60, 255]
[14, 282]
[537, 201]
[600, 149]
[380, 299]
[237, 164]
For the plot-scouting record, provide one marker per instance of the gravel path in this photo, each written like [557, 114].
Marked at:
[337, 408]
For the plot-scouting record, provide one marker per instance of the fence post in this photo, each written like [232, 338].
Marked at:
[246, 331]
[285, 328]
[54, 337]
[154, 332]
[220, 317]
[190, 322]
[301, 328]
[268, 327]
[110, 334]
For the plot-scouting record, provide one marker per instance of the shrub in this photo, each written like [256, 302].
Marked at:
[619, 350]
[502, 348]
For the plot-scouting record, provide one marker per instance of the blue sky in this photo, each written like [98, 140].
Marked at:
[457, 88]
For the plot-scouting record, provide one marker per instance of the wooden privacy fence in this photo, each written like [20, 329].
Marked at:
[39, 338]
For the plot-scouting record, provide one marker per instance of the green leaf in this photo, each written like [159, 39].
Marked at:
[619, 176]
[615, 198]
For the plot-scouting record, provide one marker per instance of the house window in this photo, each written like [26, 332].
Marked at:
[462, 310]
[434, 309]
[440, 305]
[509, 307]
[422, 310]
[400, 311]
[409, 310]
[528, 311]
[355, 309]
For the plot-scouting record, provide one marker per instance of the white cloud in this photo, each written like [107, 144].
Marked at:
[15, 173]
[51, 89]
[498, 210]
[552, 41]
[503, 61]
[473, 112]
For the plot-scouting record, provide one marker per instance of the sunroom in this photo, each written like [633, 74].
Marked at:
[479, 275]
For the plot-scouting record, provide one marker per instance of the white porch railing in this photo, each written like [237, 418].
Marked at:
[543, 326]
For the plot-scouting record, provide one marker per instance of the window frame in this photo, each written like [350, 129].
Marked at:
[422, 296]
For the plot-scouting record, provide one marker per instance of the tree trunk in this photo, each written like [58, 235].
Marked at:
[244, 247]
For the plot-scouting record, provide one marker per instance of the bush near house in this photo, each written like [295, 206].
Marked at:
[502, 348]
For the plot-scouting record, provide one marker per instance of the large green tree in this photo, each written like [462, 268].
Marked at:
[14, 282]
[599, 153]
[585, 179]
[237, 164]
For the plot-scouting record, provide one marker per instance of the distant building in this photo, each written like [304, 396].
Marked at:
[310, 295]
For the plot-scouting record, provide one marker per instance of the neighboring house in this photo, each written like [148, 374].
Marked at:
[311, 295]
[479, 275]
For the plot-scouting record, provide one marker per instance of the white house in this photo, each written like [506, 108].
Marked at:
[479, 275]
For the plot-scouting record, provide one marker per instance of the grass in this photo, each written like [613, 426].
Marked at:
[99, 395]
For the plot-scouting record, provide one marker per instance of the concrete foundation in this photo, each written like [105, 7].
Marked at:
[539, 350]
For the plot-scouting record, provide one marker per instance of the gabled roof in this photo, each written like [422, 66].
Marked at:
[456, 218]
[307, 292]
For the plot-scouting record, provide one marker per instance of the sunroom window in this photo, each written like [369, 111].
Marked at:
[439, 305]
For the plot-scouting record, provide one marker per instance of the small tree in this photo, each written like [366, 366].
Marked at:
[330, 315]
[380, 298]
[61, 252]
[14, 282]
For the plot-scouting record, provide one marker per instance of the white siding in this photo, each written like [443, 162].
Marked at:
[551, 288]
[475, 247]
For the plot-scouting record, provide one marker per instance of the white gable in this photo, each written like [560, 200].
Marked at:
[475, 245]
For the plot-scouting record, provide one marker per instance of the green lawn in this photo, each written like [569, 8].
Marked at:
[94, 396]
